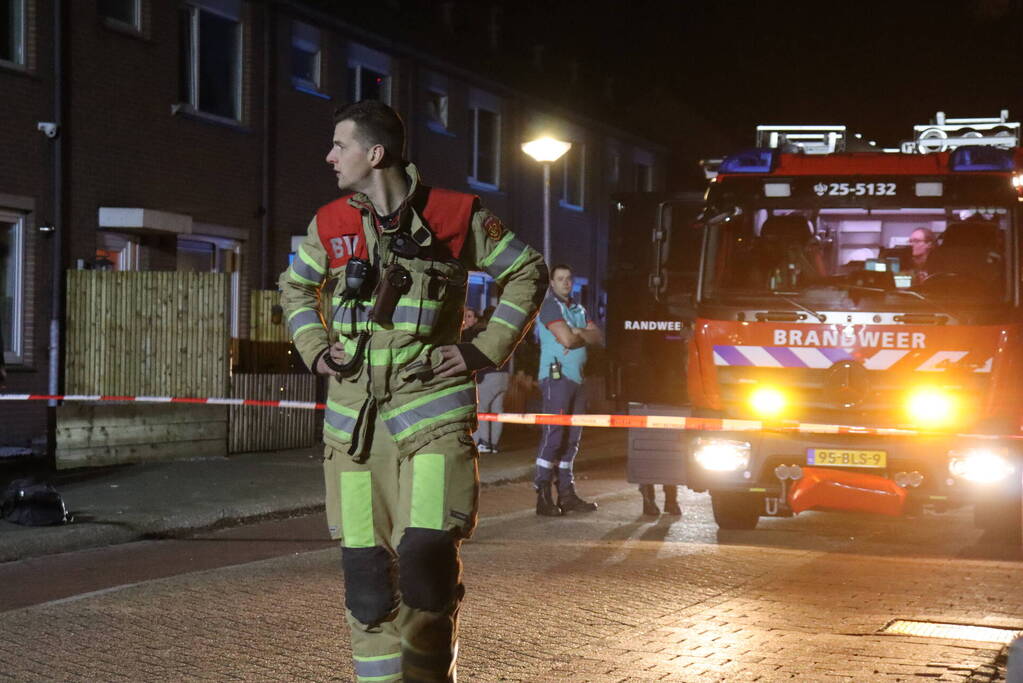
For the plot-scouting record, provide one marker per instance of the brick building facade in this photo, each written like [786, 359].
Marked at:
[193, 137]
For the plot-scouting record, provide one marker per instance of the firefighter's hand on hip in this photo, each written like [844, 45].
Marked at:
[337, 354]
[452, 363]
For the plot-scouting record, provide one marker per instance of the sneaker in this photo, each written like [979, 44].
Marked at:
[484, 447]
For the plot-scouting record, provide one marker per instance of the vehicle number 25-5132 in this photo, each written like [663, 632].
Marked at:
[855, 189]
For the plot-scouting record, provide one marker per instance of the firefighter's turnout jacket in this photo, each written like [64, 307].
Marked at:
[455, 235]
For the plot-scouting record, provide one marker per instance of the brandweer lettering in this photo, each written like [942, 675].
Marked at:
[884, 340]
[666, 325]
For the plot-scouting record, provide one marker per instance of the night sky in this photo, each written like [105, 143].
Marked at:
[878, 67]
[677, 66]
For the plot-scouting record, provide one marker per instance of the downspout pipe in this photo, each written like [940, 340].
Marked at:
[266, 199]
[57, 286]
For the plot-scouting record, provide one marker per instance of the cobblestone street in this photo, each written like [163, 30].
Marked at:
[605, 597]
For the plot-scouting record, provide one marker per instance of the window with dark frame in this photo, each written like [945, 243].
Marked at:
[12, 31]
[437, 108]
[210, 62]
[644, 177]
[575, 174]
[485, 137]
[125, 12]
[365, 83]
[305, 55]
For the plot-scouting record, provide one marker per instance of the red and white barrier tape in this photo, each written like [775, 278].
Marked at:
[702, 424]
[303, 405]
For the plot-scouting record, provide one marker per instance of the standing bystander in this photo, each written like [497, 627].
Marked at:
[492, 385]
[402, 483]
[565, 332]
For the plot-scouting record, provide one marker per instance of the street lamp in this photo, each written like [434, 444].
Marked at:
[546, 150]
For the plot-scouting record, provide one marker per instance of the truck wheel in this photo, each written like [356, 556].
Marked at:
[736, 509]
[1001, 519]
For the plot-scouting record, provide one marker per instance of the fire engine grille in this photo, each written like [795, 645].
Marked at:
[812, 399]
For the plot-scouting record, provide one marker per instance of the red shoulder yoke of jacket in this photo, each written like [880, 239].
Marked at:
[448, 215]
[339, 225]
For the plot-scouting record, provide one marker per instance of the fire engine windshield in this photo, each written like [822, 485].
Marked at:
[860, 258]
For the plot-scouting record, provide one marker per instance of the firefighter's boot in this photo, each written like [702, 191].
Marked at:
[568, 501]
[650, 508]
[671, 506]
[545, 502]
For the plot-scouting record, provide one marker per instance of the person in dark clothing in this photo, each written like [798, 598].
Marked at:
[491, 387]
[671, 506]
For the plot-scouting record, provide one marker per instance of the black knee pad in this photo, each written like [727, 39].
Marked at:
[428, 569]
[369, 584]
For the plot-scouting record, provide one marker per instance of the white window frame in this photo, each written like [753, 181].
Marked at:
[234, 246]
[474, 180]
[226, 9]
[136, 22]
[579, 147]
[16, 335]
[361, 57]
[20, 58]
[310, 39]
[479, 100]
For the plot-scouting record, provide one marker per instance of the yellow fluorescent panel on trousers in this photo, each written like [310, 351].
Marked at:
[428, 491]
[357, 510]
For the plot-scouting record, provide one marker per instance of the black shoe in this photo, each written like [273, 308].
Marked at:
[671, 506]
[649, 504]
[545, 503]
[570, 502]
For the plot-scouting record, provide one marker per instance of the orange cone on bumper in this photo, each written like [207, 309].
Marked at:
[826, 489]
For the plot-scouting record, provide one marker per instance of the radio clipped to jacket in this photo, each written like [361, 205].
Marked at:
[395, 283]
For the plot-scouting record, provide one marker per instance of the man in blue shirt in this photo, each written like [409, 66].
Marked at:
[565, 331]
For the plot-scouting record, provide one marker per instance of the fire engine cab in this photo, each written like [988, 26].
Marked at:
[865, 306]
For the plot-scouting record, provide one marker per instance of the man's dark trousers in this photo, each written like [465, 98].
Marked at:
[559, 444]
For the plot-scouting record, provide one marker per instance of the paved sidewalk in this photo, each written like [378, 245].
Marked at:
[129, 503]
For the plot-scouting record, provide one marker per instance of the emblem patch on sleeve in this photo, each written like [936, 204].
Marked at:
[494, 228]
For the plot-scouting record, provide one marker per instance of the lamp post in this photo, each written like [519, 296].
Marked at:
[546, 150]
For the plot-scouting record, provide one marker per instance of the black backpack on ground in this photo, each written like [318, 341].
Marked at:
[31, 503]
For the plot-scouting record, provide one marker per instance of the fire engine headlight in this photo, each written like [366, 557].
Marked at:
[767, 402]
[980, 465]
[722, 455]
[932, 407]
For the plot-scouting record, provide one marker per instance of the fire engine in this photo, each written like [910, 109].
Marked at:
[862, 304]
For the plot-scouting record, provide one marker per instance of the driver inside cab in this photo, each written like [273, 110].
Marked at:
[921, 242]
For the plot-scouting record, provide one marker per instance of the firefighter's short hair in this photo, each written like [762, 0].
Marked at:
[376, 124]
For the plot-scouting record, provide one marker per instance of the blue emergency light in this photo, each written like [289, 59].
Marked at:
[981, 158]
[756, 160]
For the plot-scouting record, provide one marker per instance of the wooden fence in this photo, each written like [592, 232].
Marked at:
[90, 435]
[267, 318]
[147, 333]
[265, 429]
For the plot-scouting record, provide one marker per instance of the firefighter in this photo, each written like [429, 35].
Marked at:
[400, 464]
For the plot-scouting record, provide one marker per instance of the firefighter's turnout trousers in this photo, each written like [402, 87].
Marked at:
[401, 521]
[400, 465]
